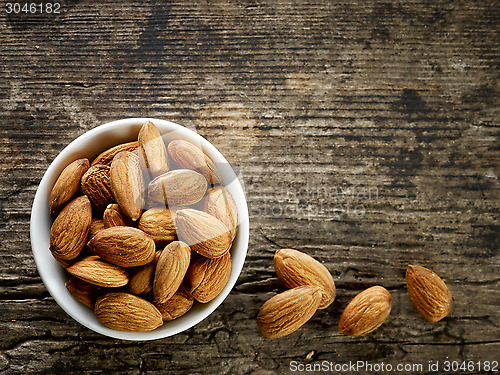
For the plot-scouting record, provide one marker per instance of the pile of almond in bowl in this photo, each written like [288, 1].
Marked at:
[143, 231]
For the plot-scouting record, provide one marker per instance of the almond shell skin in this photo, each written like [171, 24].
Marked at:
[180, 187]
[83, 292]
[176, 306]
[67, 185]
[126, 312]
[187, 155]
[96, 271]
[219, 203]
[127, 184]
[170, 270]
[204, 233]
[429, 293]
[70, 229]
[106, 157]
[152, 151]
[366, 312]
[123, 246]
[158, 222]
[207, 277]
[96, 185]
[141, 280]
[295, 268]
[286, 312]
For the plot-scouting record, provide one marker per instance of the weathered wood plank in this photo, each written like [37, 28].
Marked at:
[366, 133]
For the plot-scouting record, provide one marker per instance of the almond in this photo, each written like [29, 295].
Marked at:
[170, 270]
[67, 185]
[158, 222]
[142, 279]
[288, 311]
[428, 292]
[98, 272]
[123, 246]
[96, 185]
[207, 277]
[126, 312]
[114, 217]
[83, 292]
[152, 150]
[96, 225]
[176, 306]
[366, 312]
[127, 184]
[204, 233]
[174, 209]
[188, 156]
[68, 234]
[295, 268]
[62, 262]
[219, 203]
[107, 156]
[180, 187]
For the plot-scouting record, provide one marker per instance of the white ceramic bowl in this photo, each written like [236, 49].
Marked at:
[89, 145]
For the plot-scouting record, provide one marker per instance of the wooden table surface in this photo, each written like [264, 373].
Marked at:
[366, 133]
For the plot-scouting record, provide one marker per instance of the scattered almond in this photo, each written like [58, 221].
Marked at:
[295, 268]
[366, 312]
[428, 292]
[288, 311]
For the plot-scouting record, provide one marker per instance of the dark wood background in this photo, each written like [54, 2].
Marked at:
[366, 133]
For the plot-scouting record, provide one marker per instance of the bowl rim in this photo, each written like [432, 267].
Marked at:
[39, 235]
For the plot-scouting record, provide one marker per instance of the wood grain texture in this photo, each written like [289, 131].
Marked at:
[366, 133]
